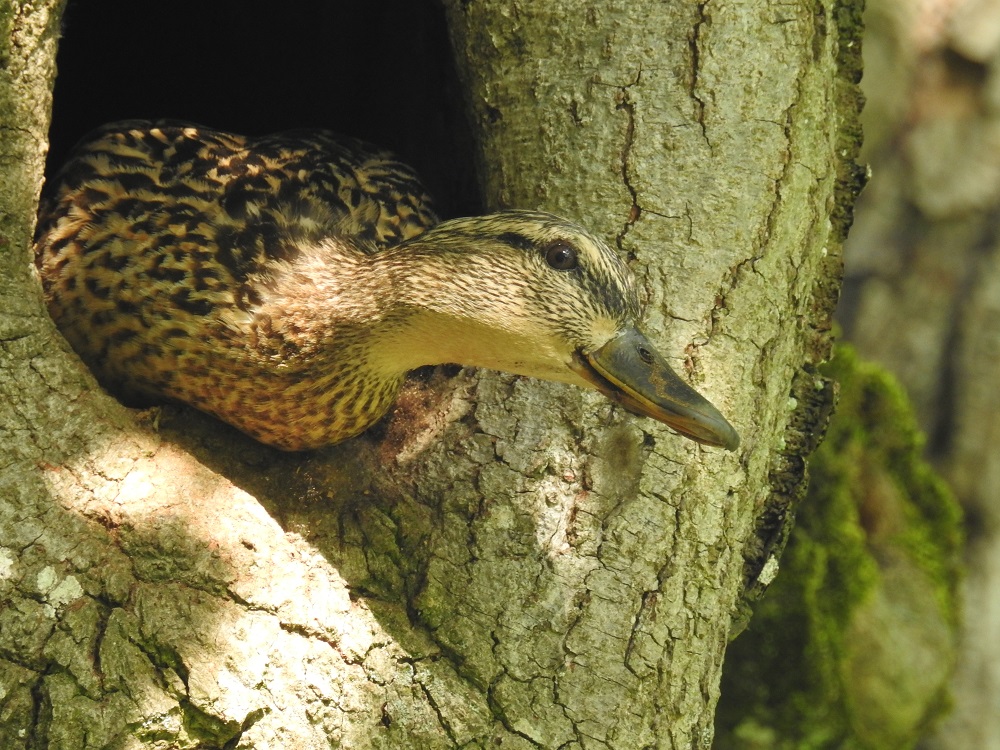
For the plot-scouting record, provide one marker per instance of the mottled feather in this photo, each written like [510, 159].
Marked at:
[158, 241]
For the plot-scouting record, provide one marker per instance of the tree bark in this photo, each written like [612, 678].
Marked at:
[503, 562]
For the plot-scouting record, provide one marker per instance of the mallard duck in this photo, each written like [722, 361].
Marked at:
[286, 284]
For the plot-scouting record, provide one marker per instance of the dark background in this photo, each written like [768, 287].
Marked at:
[381, 71]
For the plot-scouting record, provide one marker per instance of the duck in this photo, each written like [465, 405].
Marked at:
[287, 283]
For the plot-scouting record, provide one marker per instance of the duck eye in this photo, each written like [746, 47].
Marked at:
[561, 256]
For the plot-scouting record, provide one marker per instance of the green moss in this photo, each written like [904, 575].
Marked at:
[852, 645]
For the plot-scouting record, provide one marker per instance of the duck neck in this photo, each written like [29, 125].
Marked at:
[440, 315]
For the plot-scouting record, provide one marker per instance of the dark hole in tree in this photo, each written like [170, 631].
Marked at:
[381, 71]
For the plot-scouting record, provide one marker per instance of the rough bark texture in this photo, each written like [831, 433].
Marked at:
[504, 562]
[923, 289]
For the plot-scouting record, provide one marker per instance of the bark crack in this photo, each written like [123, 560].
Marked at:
[36, 736]
[104, 617]
[429, 697]
[626, 104]
[252, 718]
[694, 44]
[496, 708]
[731, 278]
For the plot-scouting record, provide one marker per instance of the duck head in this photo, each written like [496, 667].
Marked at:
[533, 294]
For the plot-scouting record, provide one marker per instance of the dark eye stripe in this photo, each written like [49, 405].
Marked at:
[516, 240]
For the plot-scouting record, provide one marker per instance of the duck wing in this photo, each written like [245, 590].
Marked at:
[247, 200]
[154, 229]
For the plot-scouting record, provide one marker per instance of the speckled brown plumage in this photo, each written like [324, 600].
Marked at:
[286, 284]
[156, 231]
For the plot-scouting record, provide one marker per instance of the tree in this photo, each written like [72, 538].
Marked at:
[924, 291]
[503, 562]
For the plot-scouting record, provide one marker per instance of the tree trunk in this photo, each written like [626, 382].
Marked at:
[503, 562]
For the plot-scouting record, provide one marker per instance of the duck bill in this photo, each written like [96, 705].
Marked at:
[630, 372]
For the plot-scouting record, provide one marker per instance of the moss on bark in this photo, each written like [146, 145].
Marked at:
[852, 645]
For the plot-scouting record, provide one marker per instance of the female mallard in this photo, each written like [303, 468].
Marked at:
[286, 284]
